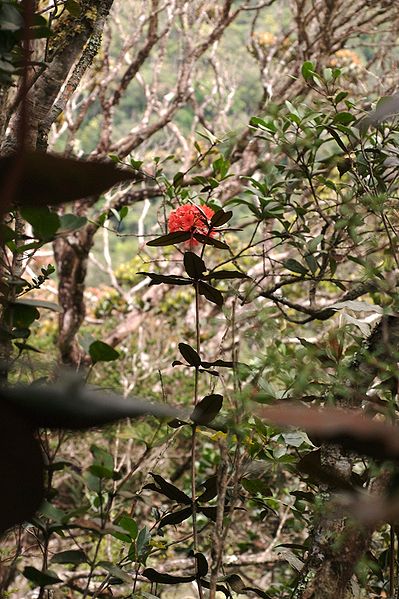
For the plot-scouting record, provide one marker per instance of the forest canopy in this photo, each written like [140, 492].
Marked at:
[198, 324]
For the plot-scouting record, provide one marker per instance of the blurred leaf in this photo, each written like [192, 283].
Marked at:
[116, 571]
[352, 429]
[73, 407]
[21, 469]
[71, 222]
[38, 303]
[73, 556]
[45, 179]
[73, 7]
[170, 239]
[102, 352]
[130, 525]
[40, 578]
[194, 265]
[207, 409]
[308, 70]
[44, 222]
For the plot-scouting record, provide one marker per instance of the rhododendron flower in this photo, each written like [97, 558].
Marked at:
[191, 218]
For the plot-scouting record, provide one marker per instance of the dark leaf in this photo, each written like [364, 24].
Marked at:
[219, 587]
[157, 279]
[102, 352]
[44, 222]
[202, 564]
[207, 409]
[226, 274]
[43, 179]
[73, 556]
[221, 217]
[211, 489]
[162, 486]
[176, 517]
[21, 315]
[194, 265]
[161, 578]
[210, 241]
[189, 354]
[73, 407]
[238, 586]
[39, 578]
[21, 469]
[220, 363]
[211, 294]
[73, 7]
[295, 266]
[337, 139]
[39, 304]
[170, 239]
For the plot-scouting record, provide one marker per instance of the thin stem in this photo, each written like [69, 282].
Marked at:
[391, 561]
[194, 438]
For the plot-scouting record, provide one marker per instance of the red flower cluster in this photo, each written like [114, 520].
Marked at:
[191, 218]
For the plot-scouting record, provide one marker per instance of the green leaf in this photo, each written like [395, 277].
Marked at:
[73, 556]
[295, 266]
[71, 222]
[116, 571]
[39, 304]
[189, 354]
[211, 294]
[344, 118]
[10, 17]
[102, 352]
[170, 239]
[308, 70]
[130, 525]
[45, 179]
[44, 222]
[207, 409]
[194, 265]
[73, 8]
[40, 578]
[21, 315]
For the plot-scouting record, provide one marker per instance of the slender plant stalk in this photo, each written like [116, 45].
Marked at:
[194, 438]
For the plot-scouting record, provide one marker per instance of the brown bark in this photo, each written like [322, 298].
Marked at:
[71, 255]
